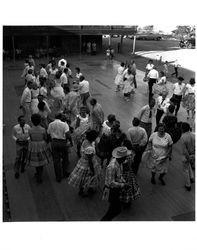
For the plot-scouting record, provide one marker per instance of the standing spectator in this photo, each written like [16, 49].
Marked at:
[39, 154]
[89, 48]
[138, 138]
[26, 101]
[160, 146]
[114, 182]
[84, 87]
[188, 101]
[94, 48]
[96, 115]
[87, 167]
[178, 89]
[188, 154]
[153, 77]
[20, 133]
[176, 66]
[133, 71]
[59, 133]
[145, 116]
[162, 104]
[119, 77]
[108, 56]
[111, 53]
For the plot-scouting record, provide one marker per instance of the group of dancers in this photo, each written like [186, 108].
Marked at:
[58, 114]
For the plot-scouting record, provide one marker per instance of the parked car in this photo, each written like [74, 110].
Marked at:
[149, 36]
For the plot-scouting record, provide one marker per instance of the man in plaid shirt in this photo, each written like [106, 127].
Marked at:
[114, 182]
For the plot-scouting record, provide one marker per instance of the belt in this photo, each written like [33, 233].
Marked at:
[55, 139]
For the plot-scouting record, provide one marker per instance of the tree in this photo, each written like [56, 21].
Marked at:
[182, 31]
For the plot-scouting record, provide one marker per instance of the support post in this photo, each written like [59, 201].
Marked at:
[13, 48]
[121, 43]
[80, 47]
[134, 40]
[47, 46]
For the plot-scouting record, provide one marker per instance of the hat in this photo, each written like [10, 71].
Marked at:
[120, 152]
[180, 78]
[75, 87]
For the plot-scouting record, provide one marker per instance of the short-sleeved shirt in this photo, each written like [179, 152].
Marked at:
[83, 87]
[178, 88]
[153, 74]
[58, 129]
[144, 114]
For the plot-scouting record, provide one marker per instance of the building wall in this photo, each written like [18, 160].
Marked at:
[58, 45]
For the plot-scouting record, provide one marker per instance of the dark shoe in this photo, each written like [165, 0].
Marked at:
[153, 181]
[188, 188]
[16, 175]
[162, 181]
[58, 180]
[192, 180]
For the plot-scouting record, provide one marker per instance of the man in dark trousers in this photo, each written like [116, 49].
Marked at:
[60, 134]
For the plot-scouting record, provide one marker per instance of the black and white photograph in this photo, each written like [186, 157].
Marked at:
[98, 127]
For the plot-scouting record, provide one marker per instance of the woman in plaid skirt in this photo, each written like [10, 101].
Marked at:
[39, 153]
[87, 167]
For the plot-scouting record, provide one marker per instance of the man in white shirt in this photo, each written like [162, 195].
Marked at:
[59, 133]
[20, 134]
[153, 77]
[178, 89]
[138, 138]
[84, 90]
[162, 104]
[26, 101]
